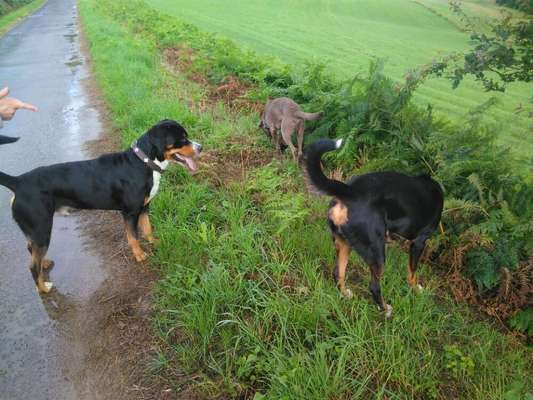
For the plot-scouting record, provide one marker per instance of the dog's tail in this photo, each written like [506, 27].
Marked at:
[308, 116]
[9, 181]
[313, 169]
[7, 139]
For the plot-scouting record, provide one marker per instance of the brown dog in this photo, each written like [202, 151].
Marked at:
[285, 115]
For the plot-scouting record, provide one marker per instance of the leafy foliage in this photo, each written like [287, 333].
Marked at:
[496, 59]
[523, 321]
[522, 5]
[457, 362]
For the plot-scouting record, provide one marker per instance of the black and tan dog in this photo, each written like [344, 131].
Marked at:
[366, 208]
[125, 181]
[284, 115]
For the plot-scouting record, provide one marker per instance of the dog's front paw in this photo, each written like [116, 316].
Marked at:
[140, 256]
[418, 288]
[47, 264]
[347, 294]
[45, 287]
[388, 311]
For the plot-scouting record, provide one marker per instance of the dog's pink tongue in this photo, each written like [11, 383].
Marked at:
[191, 164]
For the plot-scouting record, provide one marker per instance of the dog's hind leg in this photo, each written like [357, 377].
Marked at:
[287, 129]
[415, 251]
[343, 251]
[301, 130]
[132, 231]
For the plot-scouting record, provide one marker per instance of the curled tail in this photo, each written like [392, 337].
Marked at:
[7, 139]
[313, 154]
[308, 116]
[9, 181]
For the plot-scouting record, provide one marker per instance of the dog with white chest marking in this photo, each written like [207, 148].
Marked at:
[125, 181]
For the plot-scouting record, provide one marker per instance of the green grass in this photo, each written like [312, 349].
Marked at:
[245, 304]
[347, 34]
[9, 20]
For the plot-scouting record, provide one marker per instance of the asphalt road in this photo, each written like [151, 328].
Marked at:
[41, 348]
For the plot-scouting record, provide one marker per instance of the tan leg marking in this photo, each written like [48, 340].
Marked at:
[46, 264]
[146, 228]
[343, 250]
[135, 246]
[388, 311]
[42, 286]
[412, 280]
[37, 260]
[338, 214]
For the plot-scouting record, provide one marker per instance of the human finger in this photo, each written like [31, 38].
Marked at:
[26, 106]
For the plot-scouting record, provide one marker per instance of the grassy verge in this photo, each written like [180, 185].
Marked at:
[246, 304]
[9, 20]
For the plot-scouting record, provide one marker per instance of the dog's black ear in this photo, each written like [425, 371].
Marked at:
[7, 139]
[156, 138]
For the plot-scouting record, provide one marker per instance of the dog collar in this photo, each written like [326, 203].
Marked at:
[145, 159]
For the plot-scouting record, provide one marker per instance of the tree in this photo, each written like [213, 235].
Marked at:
[495, 59]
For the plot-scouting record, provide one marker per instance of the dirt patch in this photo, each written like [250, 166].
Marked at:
[222, 167]
[231, 91]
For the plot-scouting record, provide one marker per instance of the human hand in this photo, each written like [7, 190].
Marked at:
[9, 106]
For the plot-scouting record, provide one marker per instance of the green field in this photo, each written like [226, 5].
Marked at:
[347, 34]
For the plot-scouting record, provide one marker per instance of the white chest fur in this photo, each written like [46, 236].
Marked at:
[157, 179]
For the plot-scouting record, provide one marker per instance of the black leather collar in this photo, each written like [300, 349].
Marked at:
[145, 159]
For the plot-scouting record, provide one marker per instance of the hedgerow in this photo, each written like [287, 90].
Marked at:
[9, 5]
[487, 247]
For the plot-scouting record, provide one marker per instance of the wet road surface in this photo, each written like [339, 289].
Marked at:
[41, 347]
